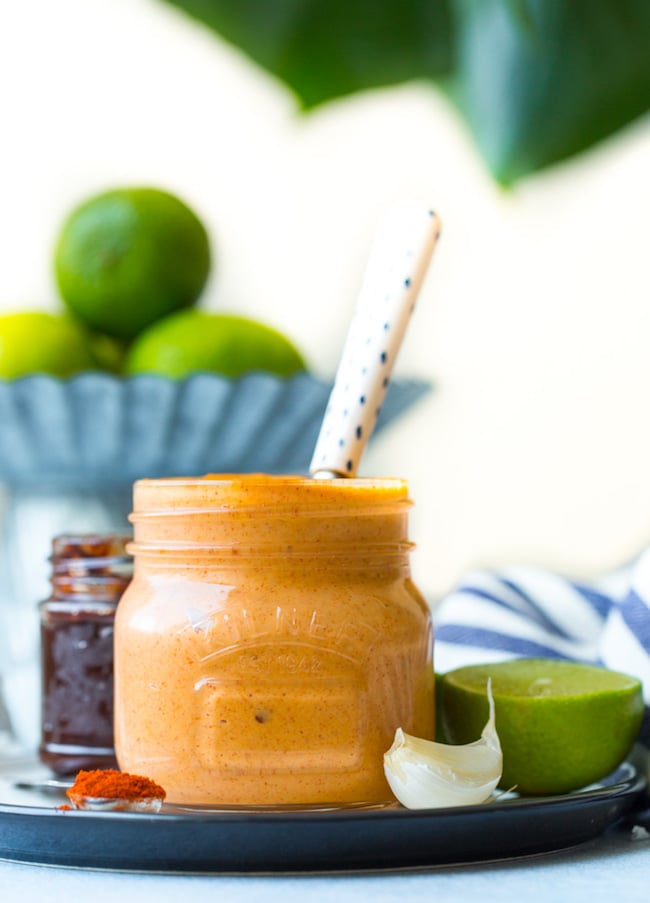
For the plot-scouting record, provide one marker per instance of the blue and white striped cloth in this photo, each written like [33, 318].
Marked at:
[524, 612]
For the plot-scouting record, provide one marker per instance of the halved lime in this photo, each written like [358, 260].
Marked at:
[562, 725]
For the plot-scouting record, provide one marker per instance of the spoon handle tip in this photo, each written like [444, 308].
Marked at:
[398, 262]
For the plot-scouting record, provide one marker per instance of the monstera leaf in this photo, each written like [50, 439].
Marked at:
[328, 48]
[540, 80]
[536, 80]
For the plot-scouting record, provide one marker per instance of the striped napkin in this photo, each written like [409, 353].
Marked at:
[525, 612]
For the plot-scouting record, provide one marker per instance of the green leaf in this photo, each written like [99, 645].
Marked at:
[541, 80]
[536, 80]
[329, 48]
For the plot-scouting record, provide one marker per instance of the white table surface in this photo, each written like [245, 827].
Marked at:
[614, 868]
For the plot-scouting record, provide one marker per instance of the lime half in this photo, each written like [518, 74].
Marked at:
[561, 725]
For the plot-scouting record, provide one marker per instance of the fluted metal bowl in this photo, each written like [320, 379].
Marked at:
[98, 431]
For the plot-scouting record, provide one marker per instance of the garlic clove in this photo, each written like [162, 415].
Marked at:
[424, 774]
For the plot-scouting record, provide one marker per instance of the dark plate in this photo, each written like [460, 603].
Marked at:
[319, 840]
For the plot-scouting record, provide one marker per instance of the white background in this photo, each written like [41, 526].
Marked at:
[534, 322]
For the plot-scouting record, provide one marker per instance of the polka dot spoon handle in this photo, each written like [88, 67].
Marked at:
[395, 271]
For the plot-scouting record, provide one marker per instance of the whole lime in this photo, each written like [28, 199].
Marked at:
[39, 342]
[108, 353]
[128, 257]
[561, 725]
[193, 340]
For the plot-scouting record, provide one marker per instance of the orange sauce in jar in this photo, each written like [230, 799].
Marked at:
[271, 640]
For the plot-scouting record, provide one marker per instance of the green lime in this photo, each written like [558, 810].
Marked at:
[128, 257]
[561, 725]
[38, 342]
[108, 353]
[440, 732]
[193, 340]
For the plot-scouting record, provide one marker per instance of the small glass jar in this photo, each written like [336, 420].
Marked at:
[89, 575]
[271, 641]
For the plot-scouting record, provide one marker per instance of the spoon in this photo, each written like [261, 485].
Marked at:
[116, 803]
[396, 268]
[48, 785]
[62, 786]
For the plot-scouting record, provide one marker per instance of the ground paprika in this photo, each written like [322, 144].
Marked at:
[110, 784]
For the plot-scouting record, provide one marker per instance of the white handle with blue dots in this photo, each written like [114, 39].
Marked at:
[396, 268]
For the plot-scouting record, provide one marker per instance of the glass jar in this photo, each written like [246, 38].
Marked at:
[271, 641]
[89, 574]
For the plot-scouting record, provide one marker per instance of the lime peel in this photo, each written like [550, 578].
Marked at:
[424, 774]
[562, 725]
[128, 257]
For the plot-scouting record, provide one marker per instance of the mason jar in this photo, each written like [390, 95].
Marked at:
[89, 574]
[271, 640]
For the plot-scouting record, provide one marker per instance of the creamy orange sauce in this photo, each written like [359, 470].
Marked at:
[271, 641]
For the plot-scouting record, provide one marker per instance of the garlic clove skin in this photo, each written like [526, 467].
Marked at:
[424, 774]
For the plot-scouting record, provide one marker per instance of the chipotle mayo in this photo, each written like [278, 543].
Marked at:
[271, 640]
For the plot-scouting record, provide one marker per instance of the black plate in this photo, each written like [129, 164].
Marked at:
[240, 841]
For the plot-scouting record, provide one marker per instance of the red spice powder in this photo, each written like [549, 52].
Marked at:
[112, 784]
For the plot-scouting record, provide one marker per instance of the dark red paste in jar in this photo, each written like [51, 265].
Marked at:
[89, 574]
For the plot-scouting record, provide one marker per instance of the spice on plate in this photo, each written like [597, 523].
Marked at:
[117, 790]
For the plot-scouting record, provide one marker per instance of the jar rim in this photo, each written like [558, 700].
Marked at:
[269, 493]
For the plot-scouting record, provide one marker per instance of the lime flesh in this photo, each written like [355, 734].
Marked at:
[561, 725]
